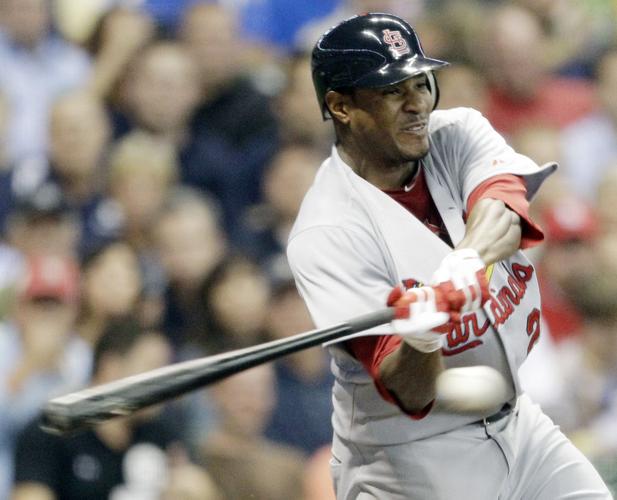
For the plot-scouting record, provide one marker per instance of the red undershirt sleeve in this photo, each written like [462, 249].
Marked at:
[371, 351]
[510, 189]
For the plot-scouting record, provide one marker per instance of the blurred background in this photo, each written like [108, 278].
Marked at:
[153, 156]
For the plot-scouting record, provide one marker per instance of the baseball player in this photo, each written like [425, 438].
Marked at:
[410, 197]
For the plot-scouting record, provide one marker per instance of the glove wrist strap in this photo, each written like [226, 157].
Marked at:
[424, 345]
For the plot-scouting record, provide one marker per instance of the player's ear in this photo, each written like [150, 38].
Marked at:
[339, 105]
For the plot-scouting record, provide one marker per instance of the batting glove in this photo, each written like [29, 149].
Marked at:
[417, 312]
[463, 271]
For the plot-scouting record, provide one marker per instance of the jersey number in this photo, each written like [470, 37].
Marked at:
[533, 328]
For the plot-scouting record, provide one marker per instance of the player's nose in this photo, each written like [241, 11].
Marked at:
[415, 103]
[416, 99]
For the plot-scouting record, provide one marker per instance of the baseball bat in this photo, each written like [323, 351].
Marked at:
[82, 409]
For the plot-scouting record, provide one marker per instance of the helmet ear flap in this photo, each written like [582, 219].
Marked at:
[434, 88]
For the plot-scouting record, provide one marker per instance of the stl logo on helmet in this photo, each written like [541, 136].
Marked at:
[397, 43]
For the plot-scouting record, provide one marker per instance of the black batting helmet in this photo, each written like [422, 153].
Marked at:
[371, 50]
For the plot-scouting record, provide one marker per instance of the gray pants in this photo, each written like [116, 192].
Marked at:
[523, 456]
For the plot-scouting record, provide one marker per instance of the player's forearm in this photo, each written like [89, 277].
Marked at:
[410, 375]
[493, 230]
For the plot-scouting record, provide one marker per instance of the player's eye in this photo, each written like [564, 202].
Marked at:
[392, 91]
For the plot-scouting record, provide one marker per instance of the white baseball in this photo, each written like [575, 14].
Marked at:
[471, 389]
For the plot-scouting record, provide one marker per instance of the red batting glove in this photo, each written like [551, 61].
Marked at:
[417, 313]
[464, 272]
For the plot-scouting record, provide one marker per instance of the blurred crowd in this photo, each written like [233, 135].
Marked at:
[153, 156]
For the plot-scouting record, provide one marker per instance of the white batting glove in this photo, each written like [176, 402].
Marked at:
[466, 272]
[418, 311]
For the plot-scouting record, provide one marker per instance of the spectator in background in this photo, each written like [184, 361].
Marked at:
[454, 30]
[40, 354]
[79, 141]
[190, 243]
[41, 223]
[210, 32]
[223, 320]
[590, 144]
[123, 458]
[575, 31]
[539, 142]
[142, 171]
[300, 119]
[117, 37]
[111, 288]
[79, 137]
[301, 417]
[161, 93]
[234, 130]
[522, 90]
[79, 20]
[266, 226]
[37, 66]
[589, 362]
[570, 228]
[233, 320]
[242, 462]
[463, 85]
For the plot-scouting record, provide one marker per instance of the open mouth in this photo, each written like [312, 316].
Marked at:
[416, 127]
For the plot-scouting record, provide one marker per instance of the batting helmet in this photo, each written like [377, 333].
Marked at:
[371, 50]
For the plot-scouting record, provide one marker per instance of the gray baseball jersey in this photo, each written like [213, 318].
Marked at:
[352, 243]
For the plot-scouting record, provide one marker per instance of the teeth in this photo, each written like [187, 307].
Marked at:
[416, 128]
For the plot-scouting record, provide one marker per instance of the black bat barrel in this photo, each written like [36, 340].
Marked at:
[79, 410]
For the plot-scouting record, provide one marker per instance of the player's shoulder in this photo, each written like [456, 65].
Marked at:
[329, 203]
[453, 119]
[453, 131]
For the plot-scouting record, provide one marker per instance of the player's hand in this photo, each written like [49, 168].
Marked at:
[418, 312]
[464, 272]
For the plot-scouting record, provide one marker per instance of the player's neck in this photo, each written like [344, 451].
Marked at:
[384, 175]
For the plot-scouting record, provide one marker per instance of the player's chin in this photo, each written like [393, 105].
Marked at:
[415, 151]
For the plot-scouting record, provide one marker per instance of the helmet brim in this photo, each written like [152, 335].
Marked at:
[399, 71]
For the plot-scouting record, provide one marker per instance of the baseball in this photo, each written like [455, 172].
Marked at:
[471, 389]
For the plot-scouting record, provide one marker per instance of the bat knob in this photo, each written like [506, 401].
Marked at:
[55, 419]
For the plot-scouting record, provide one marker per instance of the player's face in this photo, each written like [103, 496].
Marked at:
[391, 123]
